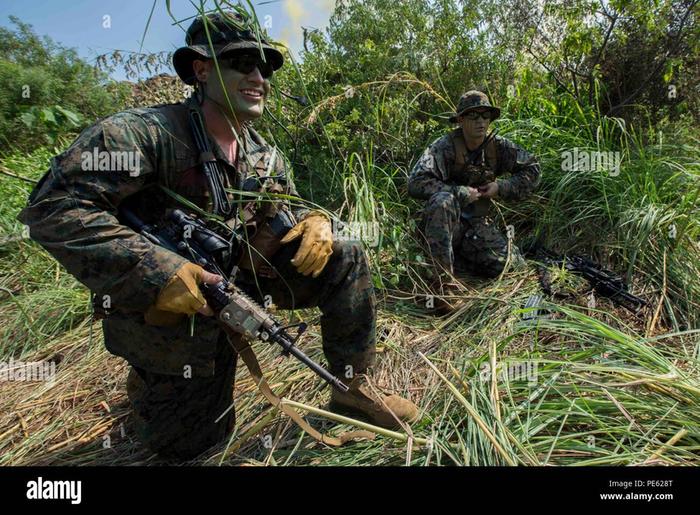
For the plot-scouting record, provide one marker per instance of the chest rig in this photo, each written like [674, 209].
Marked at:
[475, 168]
[236, 193]
[262, 218]
[266, 218]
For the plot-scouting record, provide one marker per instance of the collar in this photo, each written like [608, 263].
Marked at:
[249, 142]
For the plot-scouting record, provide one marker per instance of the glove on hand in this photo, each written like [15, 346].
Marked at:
[316, 243]
[182, 296]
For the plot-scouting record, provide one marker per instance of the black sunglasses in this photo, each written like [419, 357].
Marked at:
[475, 115]
[246, 63]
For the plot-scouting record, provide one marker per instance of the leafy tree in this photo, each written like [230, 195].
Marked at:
[621, 57]
[48, 90]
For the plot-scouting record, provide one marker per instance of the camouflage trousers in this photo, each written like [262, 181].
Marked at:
[474, 245]
[179, 418]
[344, 294]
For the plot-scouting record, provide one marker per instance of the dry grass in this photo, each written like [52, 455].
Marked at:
[83, 417]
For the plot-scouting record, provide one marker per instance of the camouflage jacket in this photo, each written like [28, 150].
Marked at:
[72, 213]
[440, 169]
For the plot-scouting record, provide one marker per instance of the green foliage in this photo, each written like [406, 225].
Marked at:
[373, 109]
[50, 121]
[38, 299]
[631, 59]
[48, 90]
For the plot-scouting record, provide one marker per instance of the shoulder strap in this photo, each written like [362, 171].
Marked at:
[492, 154]
[212, 171]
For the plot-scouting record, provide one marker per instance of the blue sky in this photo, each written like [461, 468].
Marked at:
[81, 24]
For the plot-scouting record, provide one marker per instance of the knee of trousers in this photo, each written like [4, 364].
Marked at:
[496, 262]
[348, 256]
[350, 250]
[493, 267]
[441, 208]
[490, 263]
[348, 282]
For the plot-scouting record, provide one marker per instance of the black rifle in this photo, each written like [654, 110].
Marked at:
[235, 310]
[605, 282]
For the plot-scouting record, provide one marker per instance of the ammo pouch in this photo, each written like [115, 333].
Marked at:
[264, 235]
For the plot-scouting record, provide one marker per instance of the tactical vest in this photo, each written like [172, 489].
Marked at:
[170, 348]
[184, 176]
[465, 173]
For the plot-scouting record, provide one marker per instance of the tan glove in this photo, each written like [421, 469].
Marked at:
[316, 244]
[182, 296]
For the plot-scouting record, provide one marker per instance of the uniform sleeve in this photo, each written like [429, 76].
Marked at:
[430, 174]
[72, 212]
[523, 168]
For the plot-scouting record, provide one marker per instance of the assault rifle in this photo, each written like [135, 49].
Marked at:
[603, 281]
[234, 310]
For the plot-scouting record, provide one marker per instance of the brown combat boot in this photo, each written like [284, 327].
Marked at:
[372, 403]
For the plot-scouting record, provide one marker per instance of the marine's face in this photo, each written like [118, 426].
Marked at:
[246, 91]
[475, 124]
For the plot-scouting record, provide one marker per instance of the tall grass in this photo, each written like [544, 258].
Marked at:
[38, 298]
[610, 388]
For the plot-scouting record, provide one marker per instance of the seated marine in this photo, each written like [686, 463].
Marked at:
[459, 175]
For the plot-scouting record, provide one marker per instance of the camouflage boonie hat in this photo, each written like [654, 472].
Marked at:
[473, 100]
[228, 33]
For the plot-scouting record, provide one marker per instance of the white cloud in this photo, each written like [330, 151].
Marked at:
[303, 13]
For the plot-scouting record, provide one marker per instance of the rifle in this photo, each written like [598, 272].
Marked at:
[235, 311]
[605, 282]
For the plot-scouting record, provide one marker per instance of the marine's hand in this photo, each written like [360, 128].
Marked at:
[489, 190]
[182, 296]
[316, 243]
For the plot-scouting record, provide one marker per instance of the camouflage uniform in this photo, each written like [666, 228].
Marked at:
[72, 213]
[468, 239]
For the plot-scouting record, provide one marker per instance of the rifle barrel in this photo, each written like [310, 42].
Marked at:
[288, 345]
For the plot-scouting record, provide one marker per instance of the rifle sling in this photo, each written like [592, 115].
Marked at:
[212, 172]
[244, 350]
